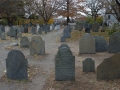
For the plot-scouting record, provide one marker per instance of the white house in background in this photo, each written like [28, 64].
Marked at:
[109, 18]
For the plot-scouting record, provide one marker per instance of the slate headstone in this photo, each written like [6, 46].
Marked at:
[16, 65]
[88, 65]
[80, 27]
[37, 46]
[19, 35]
[87, 44]
[33, 30]
[3, 37]
[64, 64]
[95, 27]
[114, 43]
[63, 39]
[66, 33]
[109, 69]
[100, 44]
[12, 32]
[0, 33]
[24, 42]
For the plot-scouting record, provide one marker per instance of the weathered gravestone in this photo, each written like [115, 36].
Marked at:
[21, 28]
[7, 29]
[67, 33]
[37, 46]
[63, 39]
[88, 65]
[87, 44]
[3, 37]
[12, 32]
[16, 65]
[2, 28]
[87, 30]
[109, 69]
[114, 43]
[40, 30]
[24, 42]
[80, 27]
[64, 64]
[100, 44]
[33, 31]
[19, 35]
[95, 27]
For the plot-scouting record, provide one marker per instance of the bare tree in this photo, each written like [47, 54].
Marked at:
[44, 8]
[70, 9]
[95, 6]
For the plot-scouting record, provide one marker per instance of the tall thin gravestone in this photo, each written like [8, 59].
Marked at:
[16, 65]
[64, 64]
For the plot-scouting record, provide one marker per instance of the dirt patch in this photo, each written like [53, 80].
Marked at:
[32, 72]
[84, 81]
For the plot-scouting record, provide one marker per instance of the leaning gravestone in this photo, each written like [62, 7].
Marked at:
[109, 69]
[114, 43]
[37, 46]
[100, 44]
[95, 27]
[24, 42]
[16, 65]
[87, 44]
[88, 65]
[3, 37]
[64, 64]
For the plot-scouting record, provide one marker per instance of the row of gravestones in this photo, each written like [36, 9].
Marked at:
[109, 69]
[94, 27]
[66, 33]
[36, 45]
[16, 66]
[90, 45]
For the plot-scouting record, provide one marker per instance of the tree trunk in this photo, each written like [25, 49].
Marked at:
[68, 19]
[10, 21]
[118, 3]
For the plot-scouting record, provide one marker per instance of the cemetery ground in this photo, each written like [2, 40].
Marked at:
[41, 67]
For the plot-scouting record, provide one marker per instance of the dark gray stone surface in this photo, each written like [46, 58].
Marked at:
[16, 65]
[95, 27]
[64, 64]
[40, 30]
[24, 42]
[109, 69]
[67, 33]
[87, 44]
[100, 44]
[114, 43]
[37, 46]
[63, 39]
[80, 27]
[88, 65]
[12, 32]
[3, 37]
[33, 31]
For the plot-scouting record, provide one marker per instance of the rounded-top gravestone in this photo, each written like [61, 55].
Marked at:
[100, 44]
[114, 43]
[37, 45]
[64, 64]
[16, 65]
[24, 42]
